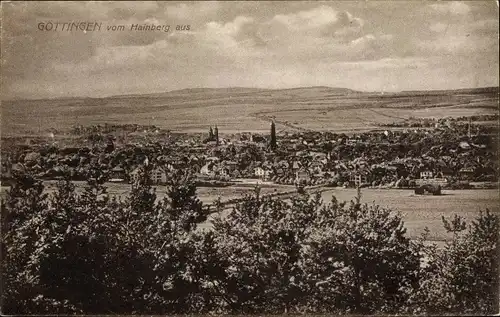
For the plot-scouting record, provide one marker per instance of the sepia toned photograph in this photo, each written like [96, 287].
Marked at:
[250, 158]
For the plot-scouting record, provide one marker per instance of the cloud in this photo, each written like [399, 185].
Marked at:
[188, 11]
[467, 37]
[310, 19]
[235, 39]
[232, 28]
[121, 10]
[322, 20]
[439, 27]
[386, 63]
[452, 8]
[253, 44]
[487, 27]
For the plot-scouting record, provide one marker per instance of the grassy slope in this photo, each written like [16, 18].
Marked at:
[245, 109]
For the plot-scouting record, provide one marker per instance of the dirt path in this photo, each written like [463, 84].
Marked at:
[270, 119]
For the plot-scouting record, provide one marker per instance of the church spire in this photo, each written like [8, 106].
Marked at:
[216, 135]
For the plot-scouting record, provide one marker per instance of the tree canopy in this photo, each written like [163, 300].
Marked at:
[90, 252]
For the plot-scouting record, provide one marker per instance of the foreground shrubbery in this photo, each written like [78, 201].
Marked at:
[88, 253]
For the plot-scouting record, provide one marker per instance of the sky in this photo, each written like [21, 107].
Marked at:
[361, 45]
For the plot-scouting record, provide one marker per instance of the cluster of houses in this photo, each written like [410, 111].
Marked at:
[214, 167]
[311, 165]
[305, 167]
[323, 169]
[304, 157]
[317, 168]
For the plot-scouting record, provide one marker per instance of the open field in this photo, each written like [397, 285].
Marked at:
[205, 194]
[422, 211]
[418, 211]
[245, 109]
[425, 211]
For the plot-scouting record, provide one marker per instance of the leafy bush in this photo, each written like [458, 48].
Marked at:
[89, 253]
[306, 257]
[464, 277]
[69, 252]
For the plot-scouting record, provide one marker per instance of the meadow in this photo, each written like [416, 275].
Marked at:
[425, 211]
[206, 194]
[418, 211]
[245, 109]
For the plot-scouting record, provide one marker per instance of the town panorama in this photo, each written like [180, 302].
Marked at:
[250, 158]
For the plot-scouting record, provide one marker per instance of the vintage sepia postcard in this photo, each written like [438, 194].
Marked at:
[247, 157]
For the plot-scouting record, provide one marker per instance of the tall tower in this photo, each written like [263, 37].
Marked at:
[216, 135]
[210, 133]
[468, 129]
[273, 136]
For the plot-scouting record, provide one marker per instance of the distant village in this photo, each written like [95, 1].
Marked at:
[454, 153]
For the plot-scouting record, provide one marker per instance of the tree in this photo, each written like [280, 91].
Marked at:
[360, 260]
[21, 215]
[183, 205]
[303, 256]
[463, 278]
[90, 253]
[260, 257]
[69, 252]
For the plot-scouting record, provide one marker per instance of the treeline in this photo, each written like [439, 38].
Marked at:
[89, 253]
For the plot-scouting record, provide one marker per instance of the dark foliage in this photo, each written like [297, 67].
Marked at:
[70, 252]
